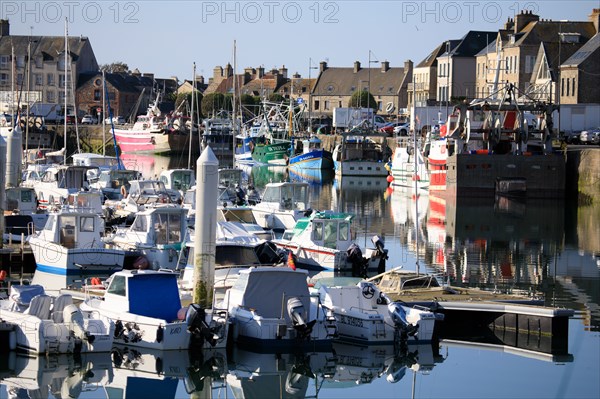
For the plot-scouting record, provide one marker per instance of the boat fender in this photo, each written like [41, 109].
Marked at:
[124, 191]
[95, 281]
[160, 333]
[2, 275]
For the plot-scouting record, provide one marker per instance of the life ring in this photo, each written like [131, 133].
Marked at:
[38, 122]
[124, 191]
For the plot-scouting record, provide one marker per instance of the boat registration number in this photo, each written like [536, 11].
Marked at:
[352, 321]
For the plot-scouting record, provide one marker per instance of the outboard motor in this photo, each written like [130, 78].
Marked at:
[398, 315]
[195, 319]
[73, 316]
[240, 195]
[359, 263]
[381, 252]
[297, 313]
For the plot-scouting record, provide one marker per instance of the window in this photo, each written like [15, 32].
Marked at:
[50, 79]
[20, 61]
[316, 104]
[573, 86]
[86, 224]
[39, 62]
[117, 286]
[317, 234]
[61, 96]
[344, 231]
[39, 79]
[50, 96]
[326, 104]
[568, 87]
[139, 224]
[4, 61]
[562, 87]
[3, 78]
[61, 80]
[96, 95]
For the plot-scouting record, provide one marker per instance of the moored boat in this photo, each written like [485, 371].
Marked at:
[53, 325]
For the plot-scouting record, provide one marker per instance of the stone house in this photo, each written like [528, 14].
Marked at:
[580, 75]
[335, 85]
[47, 72]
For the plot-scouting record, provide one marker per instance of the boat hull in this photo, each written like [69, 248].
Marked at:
[271, 154]
[37, 336]
[141, 331]
[55, 259]
[313, 160]
[360, 168]
[132, 141]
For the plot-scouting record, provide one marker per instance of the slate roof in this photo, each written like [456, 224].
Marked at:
[344, 81]
[470, 44]
[50, 47]
[584, 52]
[536, 32]
[431, 58]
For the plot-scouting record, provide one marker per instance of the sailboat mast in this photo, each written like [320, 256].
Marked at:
[65, 81]
[192, 118]
[104, 113]
[415, 179]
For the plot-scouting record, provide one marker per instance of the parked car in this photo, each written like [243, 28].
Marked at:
[590, 136]
[389, 128]
[60, 119]
[571, 137]
[88, 120]
[402, 129]
[117, 120]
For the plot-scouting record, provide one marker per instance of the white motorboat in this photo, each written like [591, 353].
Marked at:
[145, 306]
[271, 308]
[46, 324]
[282, 205]
[70, 244]
[156, 233]
[323, 241]
[24, 217]
[366, 316]
[402, 165]
[360, 155]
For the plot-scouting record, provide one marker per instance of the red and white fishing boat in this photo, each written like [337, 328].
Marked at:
[147, 133]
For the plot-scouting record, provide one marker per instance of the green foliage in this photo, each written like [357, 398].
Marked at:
[187, 98]
[213, 103]
[276, 98]
[362, 99]
[115, 67]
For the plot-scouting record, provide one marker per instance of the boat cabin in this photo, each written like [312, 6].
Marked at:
[311, 144]
[144, 292]
[163, 227]
[74, 230]
[21, 200]
[148, 192]
[287, 195]
[111, 182]
[178, 179]
[326, 229]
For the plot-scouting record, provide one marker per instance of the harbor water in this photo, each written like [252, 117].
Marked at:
[526, 246]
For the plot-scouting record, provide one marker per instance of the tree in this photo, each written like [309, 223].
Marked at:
[187, 98]
[276, 98]
[213, 103]
[115, 67]
[362, 99]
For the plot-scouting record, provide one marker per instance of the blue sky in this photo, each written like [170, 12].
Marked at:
[166, 37]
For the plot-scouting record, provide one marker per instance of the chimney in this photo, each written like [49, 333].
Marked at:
[200, 80]
[228, 70]
[283, 71]
[594, 17]
[217, 72]
[4, 27]
[250, 71]
[510, 24]
[408, 66]
[385, 66]
[322, 66]
[356, 66]
[260, 72]
[296, 76]
[524, 18]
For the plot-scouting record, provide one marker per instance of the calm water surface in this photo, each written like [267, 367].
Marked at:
[546, 245]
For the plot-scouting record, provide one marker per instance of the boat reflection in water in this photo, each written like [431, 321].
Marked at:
[312, 176]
